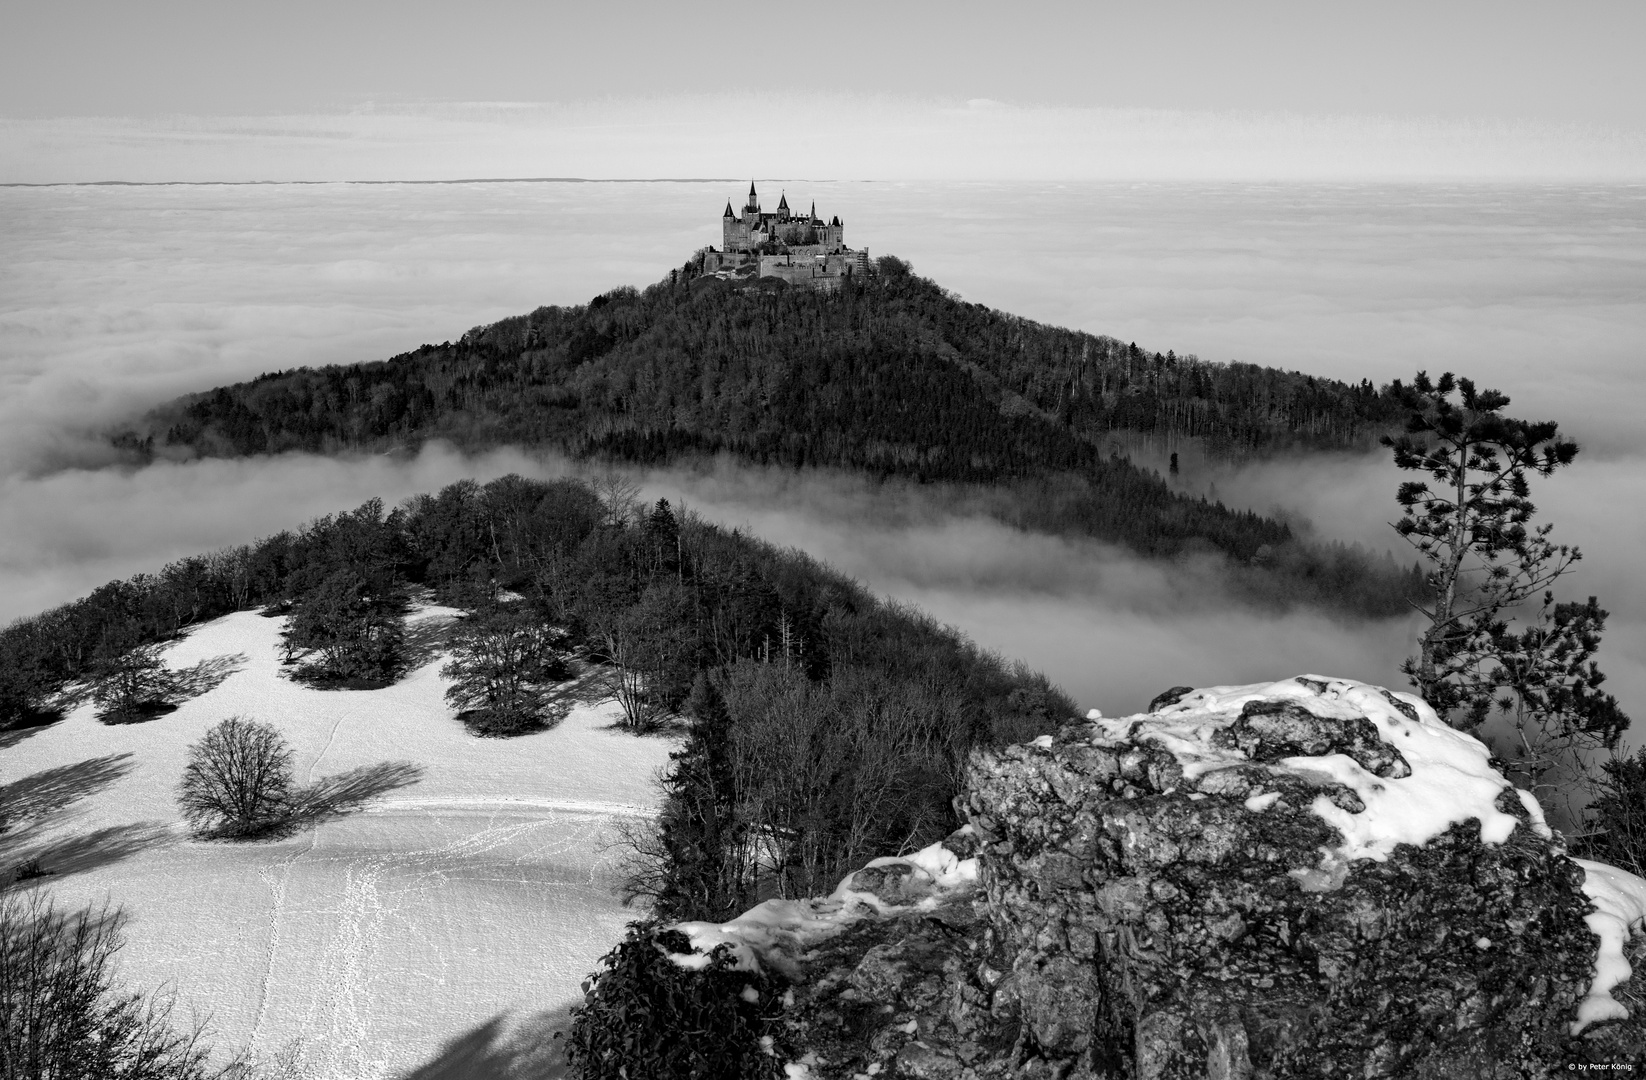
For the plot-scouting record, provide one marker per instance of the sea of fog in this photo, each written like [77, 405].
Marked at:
[113, 298]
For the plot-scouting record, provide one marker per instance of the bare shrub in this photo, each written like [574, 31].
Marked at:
[1617, 816]
[61, 1013]
[238, 780]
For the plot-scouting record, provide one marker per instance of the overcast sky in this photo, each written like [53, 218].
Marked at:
[1267, 90]
[1577, 61]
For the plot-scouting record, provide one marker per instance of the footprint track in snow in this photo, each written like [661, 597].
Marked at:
[335, 1028]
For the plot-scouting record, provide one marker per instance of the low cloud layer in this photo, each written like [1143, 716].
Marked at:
[112, 299]
[1597, 505]
[1111, 628]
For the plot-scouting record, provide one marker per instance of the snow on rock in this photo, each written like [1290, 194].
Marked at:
[1312, 870]
[1447, 778]
[1435, 778]
[779, 933]
[1307, 877]
[1619, 898]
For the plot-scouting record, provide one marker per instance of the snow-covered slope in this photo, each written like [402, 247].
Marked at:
[370, 940]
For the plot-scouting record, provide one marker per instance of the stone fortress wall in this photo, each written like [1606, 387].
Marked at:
[801, 249]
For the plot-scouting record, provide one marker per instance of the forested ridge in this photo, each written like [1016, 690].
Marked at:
[850, 717]
[891, 376]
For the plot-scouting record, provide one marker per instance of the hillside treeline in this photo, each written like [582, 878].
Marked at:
[891, 376]
[850, 716]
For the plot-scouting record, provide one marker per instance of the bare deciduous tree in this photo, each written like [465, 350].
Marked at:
[650, 646]
[1617, 817]
[61, 1013]
[238, 780]
[618, 493]
[838, 772]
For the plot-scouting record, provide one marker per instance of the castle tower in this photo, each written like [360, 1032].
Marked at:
[783, 207]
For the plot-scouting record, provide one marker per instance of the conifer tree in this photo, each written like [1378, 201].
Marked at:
[1550, 691]
[1474, 529]
[700, 835]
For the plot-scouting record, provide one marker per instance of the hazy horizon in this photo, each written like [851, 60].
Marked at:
[843, 136]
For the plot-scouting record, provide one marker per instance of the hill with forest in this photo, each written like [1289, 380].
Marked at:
[526, 652]
[559, 579]
[891, 376]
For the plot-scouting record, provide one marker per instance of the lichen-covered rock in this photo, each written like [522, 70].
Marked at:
[1311, 878]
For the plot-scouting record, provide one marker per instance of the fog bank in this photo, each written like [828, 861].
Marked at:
[1598, 505]
[1112, 629]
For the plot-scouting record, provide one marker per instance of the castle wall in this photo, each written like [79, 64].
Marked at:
[813, 272]
[717, 261]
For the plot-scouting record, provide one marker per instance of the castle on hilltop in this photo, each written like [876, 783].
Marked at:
[801, 249]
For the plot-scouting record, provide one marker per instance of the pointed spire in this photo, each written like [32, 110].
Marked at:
[814, 212]
[728, 212]
[783, 201]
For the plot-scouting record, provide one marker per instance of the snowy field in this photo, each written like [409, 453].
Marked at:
[461, 905]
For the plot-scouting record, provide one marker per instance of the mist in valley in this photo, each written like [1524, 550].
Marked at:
[118, 298]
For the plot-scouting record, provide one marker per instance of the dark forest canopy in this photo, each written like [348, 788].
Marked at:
[890, 376]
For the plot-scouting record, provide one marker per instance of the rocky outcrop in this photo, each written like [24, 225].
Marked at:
[1304, 879]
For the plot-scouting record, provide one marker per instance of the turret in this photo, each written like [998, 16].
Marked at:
[728, 212]
[783, 207]
[754, 202]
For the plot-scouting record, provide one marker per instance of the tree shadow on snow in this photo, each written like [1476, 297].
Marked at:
[207, 675]
[32, 722]
[32, 805]
[178, 686]
[425, 639]
[28, 858]
[138, 714]
[50, 791]
[342, 793]
[503, 1050]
